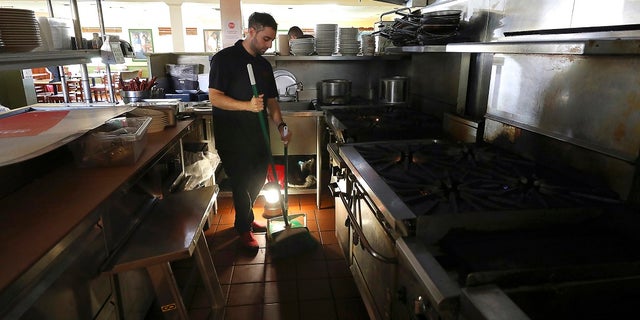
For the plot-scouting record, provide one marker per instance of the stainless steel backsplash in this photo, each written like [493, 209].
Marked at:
[581, 111]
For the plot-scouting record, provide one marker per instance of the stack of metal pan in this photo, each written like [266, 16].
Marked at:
[349, 45]
[438, 27]
[326, 39]
[418, 28]
[302, 46]
[19, 30]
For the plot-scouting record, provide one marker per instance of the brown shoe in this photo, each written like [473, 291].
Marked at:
[258, 226]
[248, 240]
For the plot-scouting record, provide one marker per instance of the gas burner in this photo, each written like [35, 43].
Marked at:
[360, 124]
[436, 178]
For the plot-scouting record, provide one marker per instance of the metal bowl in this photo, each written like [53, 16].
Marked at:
[134, 96]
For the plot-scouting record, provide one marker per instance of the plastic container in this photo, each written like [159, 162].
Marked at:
[56, 33]
[118, 142]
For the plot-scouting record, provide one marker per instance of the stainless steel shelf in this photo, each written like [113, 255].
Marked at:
[573, 47]
[577, 47]
[24, 60]
[416, 49]
[328, 58]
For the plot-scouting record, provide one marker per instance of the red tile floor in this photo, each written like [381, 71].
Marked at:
[311, 285]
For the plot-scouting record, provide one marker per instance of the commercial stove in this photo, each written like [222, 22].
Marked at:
[360, 123]
[442, 230]
[379, 122]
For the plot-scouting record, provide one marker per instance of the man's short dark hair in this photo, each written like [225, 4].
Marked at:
[260, 20]
[295, 31]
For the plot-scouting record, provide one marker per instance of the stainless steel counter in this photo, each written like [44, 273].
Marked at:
[46, 222]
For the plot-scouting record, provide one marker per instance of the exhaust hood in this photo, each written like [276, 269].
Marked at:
[407, 3]
[402, 2]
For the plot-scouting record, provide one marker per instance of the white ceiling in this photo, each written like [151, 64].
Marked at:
[205, 14]
[305, 13]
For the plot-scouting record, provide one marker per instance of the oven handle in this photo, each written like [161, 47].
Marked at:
[347, 204]
[334, 190]
[345, 200]
[376, 212]
[363, 240]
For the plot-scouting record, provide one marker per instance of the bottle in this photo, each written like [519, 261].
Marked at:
[96, 42]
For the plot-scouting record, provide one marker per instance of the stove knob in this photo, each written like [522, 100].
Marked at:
[356, 239]
[419, 307]
[402, 295]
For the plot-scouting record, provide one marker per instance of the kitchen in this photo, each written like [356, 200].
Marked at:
[555, 84]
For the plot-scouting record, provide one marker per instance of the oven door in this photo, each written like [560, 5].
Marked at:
[374, 257]
[342, 199]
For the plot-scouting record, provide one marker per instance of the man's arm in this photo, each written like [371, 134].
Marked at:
[276, 116]
[274, 110]
[222, 101]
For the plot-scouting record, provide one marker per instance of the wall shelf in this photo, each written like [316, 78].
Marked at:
[25, 60]
[330, 58]
[571, 47]
[577, 47]
[416, 49]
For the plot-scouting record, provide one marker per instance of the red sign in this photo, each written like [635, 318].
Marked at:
[231, 25]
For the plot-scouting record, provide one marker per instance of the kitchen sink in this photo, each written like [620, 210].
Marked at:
[297, 106]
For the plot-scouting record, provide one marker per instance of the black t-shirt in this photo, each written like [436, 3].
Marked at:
[239, 132]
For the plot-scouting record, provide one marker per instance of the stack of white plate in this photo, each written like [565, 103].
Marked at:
[19, 30]
[349, 44]
[368, 45]
[326, 35]
[286, 84]
[158, 118]
[302, 46]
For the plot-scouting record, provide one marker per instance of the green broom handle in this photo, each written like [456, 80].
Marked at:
[265, 134]
[286, 181]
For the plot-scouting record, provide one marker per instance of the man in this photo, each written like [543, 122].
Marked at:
[236, 126]
[296, 33]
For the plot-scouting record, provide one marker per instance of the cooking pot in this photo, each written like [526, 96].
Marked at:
[394, 90]
[335, 91]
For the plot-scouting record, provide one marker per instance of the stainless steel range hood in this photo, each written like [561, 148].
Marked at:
[401, 2]
[407, 3]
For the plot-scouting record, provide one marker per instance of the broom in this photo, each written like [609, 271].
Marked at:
[287, 235]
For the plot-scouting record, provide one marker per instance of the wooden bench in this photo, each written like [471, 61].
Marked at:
[171, 231]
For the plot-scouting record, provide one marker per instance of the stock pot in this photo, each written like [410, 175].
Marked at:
[394, 90]
[335, 91]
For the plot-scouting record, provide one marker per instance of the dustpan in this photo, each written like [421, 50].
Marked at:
[288, 234]
[278, 224]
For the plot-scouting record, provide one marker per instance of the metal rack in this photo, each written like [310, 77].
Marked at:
[23, 60]
[329, 58]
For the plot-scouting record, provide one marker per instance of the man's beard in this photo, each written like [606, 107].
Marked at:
[255, 48]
